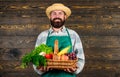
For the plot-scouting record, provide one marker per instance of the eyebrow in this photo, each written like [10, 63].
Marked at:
[62, 11]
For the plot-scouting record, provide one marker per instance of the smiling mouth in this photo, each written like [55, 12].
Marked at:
[57, 20]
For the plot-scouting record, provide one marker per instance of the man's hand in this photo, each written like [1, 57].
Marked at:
[71, 70]
[42, 68]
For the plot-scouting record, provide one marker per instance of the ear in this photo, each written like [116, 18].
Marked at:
[65, 17]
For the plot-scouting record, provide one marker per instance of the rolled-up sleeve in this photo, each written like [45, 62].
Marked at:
[80, 53]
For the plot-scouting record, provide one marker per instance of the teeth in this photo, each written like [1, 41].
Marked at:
[57, 20]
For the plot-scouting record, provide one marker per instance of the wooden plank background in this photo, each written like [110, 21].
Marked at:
[96, 21]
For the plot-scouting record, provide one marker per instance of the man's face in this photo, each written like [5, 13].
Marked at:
[57, 18]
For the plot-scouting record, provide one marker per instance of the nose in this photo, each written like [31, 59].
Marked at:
[57, 15]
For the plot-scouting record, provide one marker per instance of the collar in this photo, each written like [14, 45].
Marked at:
[62, 30]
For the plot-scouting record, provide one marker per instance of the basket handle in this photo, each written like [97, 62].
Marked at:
[56, 48]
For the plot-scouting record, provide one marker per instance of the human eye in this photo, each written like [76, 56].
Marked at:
[53, 13]
[60, 13]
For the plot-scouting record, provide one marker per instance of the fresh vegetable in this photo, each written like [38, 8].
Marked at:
[64, 57]
[34, 56]
[64, 51]
[39, 60]
[42, 53]
[49, 56]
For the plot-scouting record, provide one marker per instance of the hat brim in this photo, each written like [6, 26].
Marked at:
[62, 8]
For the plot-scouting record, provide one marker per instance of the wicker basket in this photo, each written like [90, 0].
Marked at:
[59, 64]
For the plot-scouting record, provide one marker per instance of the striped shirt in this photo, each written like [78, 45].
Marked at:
[76, 45]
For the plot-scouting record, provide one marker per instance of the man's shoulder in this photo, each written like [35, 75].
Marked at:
[43, 33]
[71, 31]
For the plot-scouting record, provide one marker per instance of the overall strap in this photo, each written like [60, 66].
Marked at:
[69, 38]
[47, 36]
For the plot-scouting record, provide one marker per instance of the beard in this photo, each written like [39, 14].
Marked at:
[57, 24]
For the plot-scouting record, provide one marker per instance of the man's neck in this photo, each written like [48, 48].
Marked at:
[57, 29]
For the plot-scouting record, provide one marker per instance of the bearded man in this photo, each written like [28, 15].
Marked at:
[57, 14]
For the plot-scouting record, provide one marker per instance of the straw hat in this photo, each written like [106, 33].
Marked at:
[58, 6]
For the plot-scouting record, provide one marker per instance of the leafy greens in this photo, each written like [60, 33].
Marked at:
[34, 57]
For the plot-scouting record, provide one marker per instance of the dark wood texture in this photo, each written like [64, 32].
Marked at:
[96, 21]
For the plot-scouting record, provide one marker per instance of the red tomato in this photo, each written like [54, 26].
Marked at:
[48, 56]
